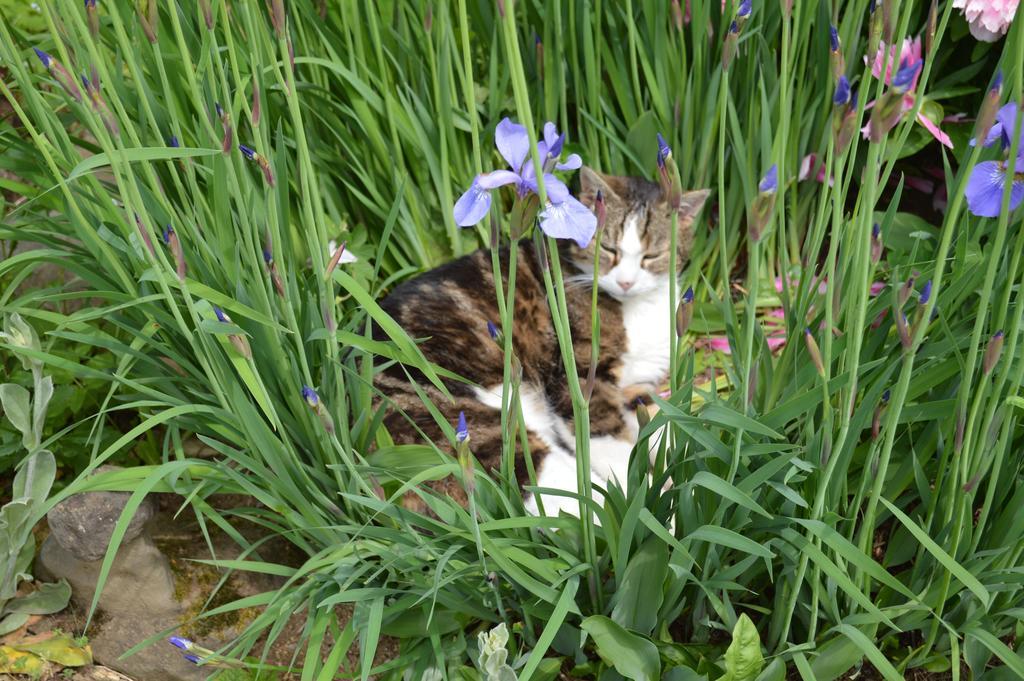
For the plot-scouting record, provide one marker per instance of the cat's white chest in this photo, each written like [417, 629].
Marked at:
[648, 322]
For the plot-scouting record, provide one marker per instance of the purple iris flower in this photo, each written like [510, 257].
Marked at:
[194, 659]
[985, 186]
[565, 217]
[310, 396]
[688, 295]
[248, 152]
[462, 430]
[173, 141]
[220, 315]
[744, 9]
[492, 330]
[833, 38]
[770, 182]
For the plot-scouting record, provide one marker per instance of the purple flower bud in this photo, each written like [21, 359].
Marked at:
[876, 231]
[194, 659]
[462, 430]
[219, 109]
[926, 293]
[248, 152]
[688, 295]
[90, 4]
[664, 150]
[853, 99]
[492, 330]
[744, 9]
[842, 95]
[310, 396]
[43, 57]
[180, 642]
[770, 181]
[168, 233]
[886, 395]
[173, 142]
[872, 6]
[734, 28]
[905, 75]
[997, 81]
[220, 315]
[85, 82]
[267, 256]
[833, 38]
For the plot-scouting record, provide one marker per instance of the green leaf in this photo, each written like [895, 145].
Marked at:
[632, 656]
[1011, 659]
[15, 402]
[35, 477]
[138, 154]
[871, 651]
[743, 658]
[640, 589]
[947, 561]
[48, 598]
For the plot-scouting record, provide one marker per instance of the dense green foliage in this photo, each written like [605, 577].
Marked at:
[788, 521]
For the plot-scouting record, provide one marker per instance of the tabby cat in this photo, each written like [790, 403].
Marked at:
[449, 308]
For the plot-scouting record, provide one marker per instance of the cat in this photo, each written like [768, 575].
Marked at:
[448, 310]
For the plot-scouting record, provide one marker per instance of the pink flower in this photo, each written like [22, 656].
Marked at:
[910, 52]
[988, 19]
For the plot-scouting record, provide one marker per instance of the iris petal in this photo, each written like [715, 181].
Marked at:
[513, 143]
[569, 220]
[497, 178]
[472, 206]
[985, 189]
[573, 162]
[556, 190]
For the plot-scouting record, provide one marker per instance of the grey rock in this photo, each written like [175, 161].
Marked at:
[83, 523]
[138, 602]
[139, 581]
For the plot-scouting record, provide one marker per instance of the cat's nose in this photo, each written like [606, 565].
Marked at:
[624, 284]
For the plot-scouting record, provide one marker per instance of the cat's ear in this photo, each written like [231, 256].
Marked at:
[690, 204]
[591, 182]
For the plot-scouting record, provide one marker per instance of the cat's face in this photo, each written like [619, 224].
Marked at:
[635, 243]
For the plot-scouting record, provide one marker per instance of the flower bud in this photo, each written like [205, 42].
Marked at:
[172, 241]
[93, 17]
[932, 27]
[763, 206]
[990, 107]
[335, 259]
[643, 417]
[835, 53]
[906, 291]
[684, 313]
[730, 45]
[876, 243]
[149, 18]
[204, 6]
[903, 330]
[464, 456]
[992, 353]
[256, 109]
[814, 352]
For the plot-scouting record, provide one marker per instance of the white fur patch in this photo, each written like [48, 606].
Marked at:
[648, 321]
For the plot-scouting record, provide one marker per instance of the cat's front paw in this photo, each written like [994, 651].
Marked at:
[638, 393]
